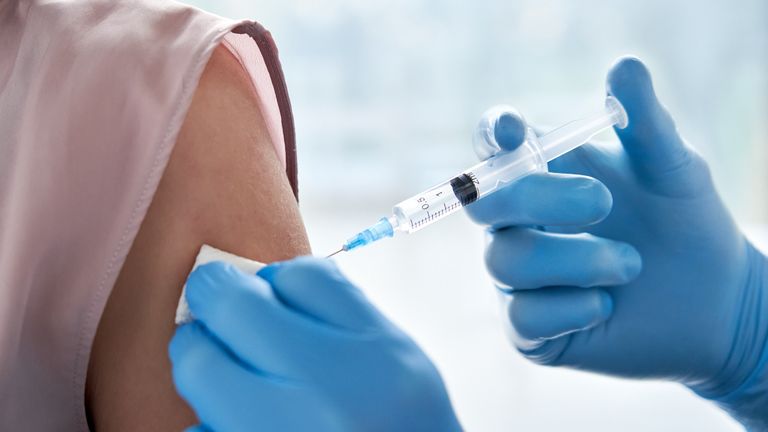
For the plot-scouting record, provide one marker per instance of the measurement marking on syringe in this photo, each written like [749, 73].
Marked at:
[447, 209]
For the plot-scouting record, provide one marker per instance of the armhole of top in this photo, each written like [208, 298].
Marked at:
[261, 61]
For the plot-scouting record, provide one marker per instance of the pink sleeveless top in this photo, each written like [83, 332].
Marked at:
[92, 96]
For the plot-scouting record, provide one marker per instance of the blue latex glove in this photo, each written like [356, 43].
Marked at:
[299, 348]
[636, 268]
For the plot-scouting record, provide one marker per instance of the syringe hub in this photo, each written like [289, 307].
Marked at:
[381, 229]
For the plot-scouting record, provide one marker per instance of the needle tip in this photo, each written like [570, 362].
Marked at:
[335, 253]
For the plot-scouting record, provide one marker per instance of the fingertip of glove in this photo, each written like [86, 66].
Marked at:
[206, 281]
[182, 340]
[630, 81]
[593, 197]
[600, 311]
[211, 274]
[604, 307]
[509, 130]
[633, 262]
[629, 72]
[268, 273]
[185, 355]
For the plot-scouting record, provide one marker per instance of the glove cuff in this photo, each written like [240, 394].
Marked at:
[747, 400]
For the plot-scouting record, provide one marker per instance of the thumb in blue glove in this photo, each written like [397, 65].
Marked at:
[650, 280]
[298, 347]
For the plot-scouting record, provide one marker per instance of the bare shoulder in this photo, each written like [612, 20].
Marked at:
[225, 147]
[224, 185]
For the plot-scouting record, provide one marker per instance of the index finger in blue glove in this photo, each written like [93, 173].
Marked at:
[510, 130]
[502, 128]
[661, 158]
[316, 288]
[243, 312]
[545, 199]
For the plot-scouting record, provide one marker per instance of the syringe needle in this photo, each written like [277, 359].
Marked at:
[335, 253]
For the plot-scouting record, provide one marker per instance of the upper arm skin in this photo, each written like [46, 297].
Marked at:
[225, 186]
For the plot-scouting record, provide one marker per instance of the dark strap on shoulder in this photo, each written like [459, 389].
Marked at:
[268, 50]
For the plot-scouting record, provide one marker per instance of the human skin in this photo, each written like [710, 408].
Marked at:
[225, 186]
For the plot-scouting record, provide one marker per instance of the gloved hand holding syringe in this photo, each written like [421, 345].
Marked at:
[486, 177]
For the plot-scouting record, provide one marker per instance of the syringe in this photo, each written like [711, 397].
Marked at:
[532, 156]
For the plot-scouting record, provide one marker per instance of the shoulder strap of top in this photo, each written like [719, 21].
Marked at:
[268, 50]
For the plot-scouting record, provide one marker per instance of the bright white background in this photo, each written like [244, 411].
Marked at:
[386, 94]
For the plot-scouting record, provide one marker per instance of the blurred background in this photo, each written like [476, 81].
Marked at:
[386, 94]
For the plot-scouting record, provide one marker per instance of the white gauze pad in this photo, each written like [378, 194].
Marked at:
[206, 255]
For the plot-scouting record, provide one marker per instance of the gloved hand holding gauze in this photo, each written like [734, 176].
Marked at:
[208, 254]
[298, 337]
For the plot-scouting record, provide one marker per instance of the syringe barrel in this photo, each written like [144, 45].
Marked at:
[450, 196]
[502, 169]
[427, 207]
